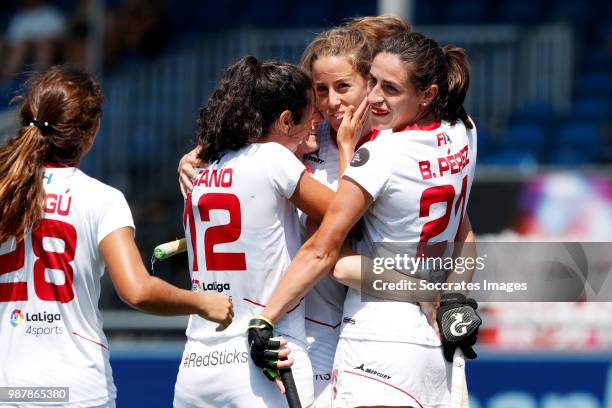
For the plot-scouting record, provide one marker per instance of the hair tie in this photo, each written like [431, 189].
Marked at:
[42, 125]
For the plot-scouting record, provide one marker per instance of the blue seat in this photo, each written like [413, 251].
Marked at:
[484, 141]
[467, 11]
[599, 58]
[270, 15]
[575, 11]
[571, 156]
[512, 158]
[584, 136]
[520, 11]
[525, 137]
[537, 113]
[310, 13]
[424, 13]
[594, 84]
[596, 109]
[351, 8]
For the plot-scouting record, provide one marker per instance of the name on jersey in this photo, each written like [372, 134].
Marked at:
[58, 203]
[214, 178]
[451, 163]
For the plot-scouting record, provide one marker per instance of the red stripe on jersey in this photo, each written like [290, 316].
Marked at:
[333, 326]
[308, 168]
[260, 305]
[53, 165]
[93, 341]
[295, 307]
[431, 126]
[367, 138]
[386, 383]
[253, 302]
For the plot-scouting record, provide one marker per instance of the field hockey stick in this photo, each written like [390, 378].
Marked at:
[459, 397]
[293, 399]
[168, 249]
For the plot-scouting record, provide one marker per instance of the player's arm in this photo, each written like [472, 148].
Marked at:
[465, 247]
[153, 295]
[458, 302]
[312, 197]
[348, 271]
[319, 254]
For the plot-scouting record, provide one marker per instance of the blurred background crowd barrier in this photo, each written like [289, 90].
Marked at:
[540, 94]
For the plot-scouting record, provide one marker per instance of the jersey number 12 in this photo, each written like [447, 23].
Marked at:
[217, 234]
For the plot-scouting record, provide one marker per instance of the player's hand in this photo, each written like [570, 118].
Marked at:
[267, 352]
[351, 126]
[217, 308]
[430, 310]
[186, 170]
[458, 323]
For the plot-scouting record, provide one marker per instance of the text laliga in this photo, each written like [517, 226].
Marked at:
[214, 178]
[452, 162]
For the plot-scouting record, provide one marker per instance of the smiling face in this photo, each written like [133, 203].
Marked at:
[394, 101]
[294, 135]
[337, 86]
[310, 143]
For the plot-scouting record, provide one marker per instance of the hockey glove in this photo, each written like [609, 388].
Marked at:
[458, 323]
[263, 347]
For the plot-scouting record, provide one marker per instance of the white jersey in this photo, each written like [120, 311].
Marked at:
[325, 162]
[242, 232]
[324, 302]
[420, 180]
[50, 325]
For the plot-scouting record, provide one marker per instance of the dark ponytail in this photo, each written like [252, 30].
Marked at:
[60, 115]
[458, 82]
[445, 67]
[247, 101]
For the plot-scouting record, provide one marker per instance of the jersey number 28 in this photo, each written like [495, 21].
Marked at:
[13, 261]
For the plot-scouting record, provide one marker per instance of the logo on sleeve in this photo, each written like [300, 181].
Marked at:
[360, 157]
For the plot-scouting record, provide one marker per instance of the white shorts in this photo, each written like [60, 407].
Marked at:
[321, 350]
[368, 373]
[221, 374]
